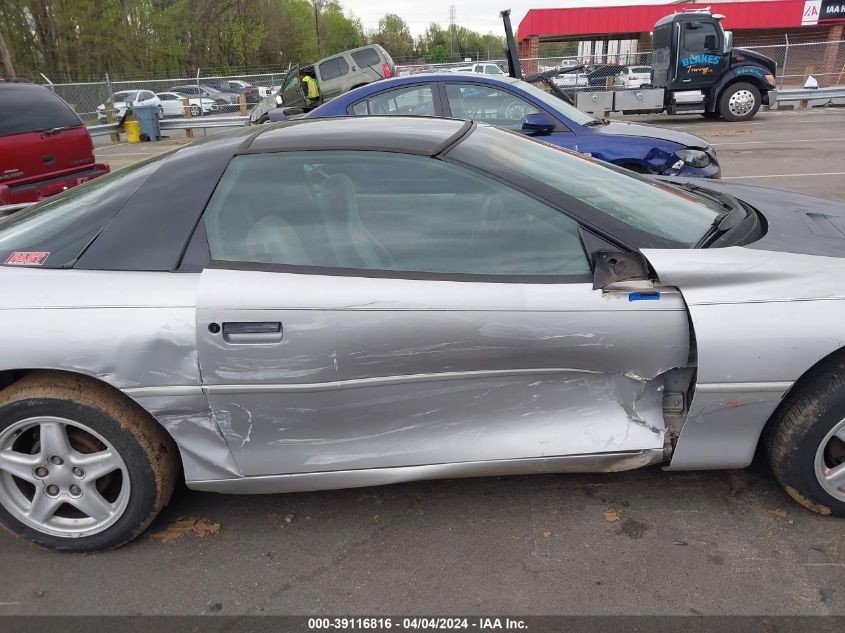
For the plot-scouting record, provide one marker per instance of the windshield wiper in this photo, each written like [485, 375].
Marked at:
[56, 130]
[597, 122]
[723, 223]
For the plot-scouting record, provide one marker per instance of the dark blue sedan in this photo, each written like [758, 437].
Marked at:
[519, 106]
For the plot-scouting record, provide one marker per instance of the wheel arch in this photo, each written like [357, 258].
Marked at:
[732, 78]
[185, 417]
[811, 374]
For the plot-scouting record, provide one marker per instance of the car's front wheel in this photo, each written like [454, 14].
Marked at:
[739, 102]
[82, 467]
[195, 111]
[806, 441]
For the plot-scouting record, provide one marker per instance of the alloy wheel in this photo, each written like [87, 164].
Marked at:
[741, 102]
[62, 478]
[830, 462]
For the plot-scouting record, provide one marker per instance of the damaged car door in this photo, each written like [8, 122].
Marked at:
[369, 310]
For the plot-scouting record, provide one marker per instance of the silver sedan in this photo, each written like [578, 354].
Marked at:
[353, 302]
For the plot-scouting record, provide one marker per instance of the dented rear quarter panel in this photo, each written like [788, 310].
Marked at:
[132, 330]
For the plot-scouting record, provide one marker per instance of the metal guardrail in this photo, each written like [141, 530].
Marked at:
[196, 123]
[811, 94]
[192, 123]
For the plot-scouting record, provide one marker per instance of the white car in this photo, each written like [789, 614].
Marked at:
[571, 80]
[633, 76]
[124, 99]
[238, 85]
[173, 106]
[481, 68]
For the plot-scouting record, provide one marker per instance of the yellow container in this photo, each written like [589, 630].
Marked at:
[133, 131]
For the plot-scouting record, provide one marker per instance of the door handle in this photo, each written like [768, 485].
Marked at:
[252, 332]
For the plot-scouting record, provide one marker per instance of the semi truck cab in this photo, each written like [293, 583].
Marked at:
[694, 62]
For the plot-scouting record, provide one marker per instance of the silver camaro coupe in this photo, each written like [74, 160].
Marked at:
[361, 301]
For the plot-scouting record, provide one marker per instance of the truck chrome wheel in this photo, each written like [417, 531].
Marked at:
[741, 102]
[830, 462]
[61, 478]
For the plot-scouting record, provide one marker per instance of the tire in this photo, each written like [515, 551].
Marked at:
[712, 115]
[262, 120]
[739, 102]
[76, 417]
[160, 113]
[806, 440]
[195, 111]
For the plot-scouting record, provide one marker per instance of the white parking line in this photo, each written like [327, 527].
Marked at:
[828, 173]
[800, 140]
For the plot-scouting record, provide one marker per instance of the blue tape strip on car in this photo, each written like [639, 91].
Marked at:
[643, 296]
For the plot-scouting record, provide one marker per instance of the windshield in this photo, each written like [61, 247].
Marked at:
[648, 205]
[126, 95]
[555, 103]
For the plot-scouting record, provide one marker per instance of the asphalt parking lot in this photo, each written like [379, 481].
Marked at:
[639, 542]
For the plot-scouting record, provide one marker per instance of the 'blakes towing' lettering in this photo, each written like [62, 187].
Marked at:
[701, 60]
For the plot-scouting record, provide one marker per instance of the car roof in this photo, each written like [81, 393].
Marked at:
[383, 84]
[410, 135]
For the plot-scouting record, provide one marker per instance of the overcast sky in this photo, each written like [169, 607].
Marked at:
[478, 15]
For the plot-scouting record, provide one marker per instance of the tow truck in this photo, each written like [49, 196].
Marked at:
[695, 70]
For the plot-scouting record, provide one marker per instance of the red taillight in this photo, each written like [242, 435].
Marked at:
[632, 78]
[249, 90]
[386, 71]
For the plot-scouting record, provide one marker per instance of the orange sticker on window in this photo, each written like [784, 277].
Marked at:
[27, 258]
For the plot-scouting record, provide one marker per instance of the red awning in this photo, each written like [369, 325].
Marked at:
[772, 14]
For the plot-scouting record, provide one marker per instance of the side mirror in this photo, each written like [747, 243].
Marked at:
[729, 41]
[538, 124]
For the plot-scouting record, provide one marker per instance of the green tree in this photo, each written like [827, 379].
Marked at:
[393, 33]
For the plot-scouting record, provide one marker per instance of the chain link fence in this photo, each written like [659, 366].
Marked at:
[208, 94]
[218, 93]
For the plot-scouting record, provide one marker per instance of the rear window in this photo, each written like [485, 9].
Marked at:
[65, 225]
[366, 57]
[662, 35]
[29, 108]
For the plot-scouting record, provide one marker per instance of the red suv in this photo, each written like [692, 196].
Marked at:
[44, 147]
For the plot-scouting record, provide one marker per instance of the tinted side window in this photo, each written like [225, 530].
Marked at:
[366, 57]
[662, 36]
[378, 211]
[333, 68]
[695, 38]
[486, 103]
[411, 101]
[28, 108]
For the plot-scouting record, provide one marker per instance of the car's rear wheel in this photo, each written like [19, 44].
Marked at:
[160, 112]
[195, 111]
[739, 102]
[82, 467]
[806, 441]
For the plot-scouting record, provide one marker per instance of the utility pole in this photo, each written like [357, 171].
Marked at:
[6, 59]
[452, 32]
[317, 6]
